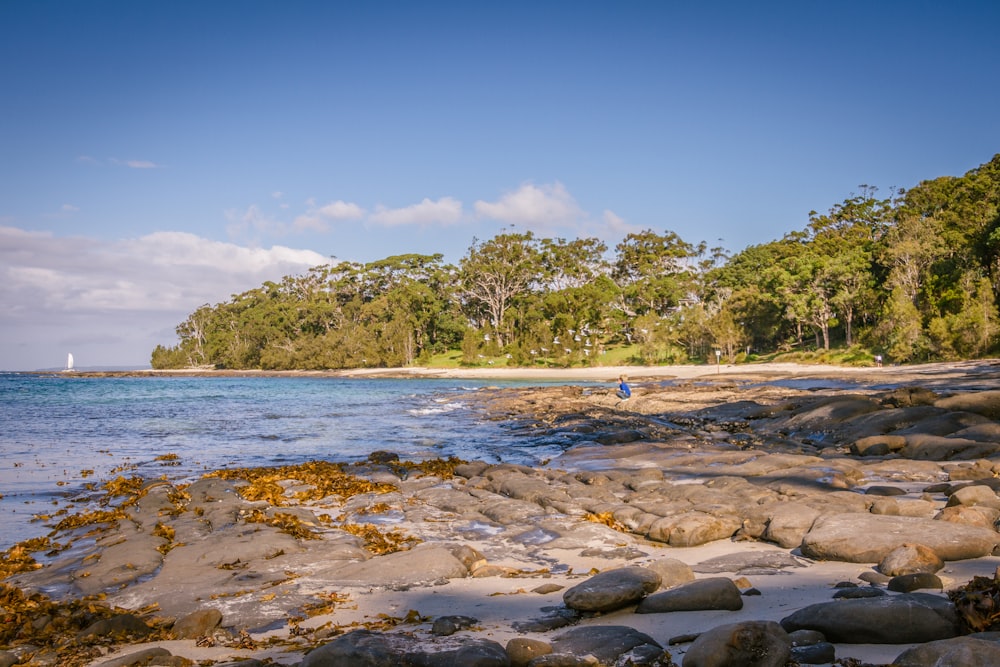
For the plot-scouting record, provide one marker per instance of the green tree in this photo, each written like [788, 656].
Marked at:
[493, 274]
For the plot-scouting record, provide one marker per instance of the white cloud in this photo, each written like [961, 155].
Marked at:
[444, 211]
[537, 207]
[57, 290]
[317, 219]
[69, 208]
[341, 210]
[131, 164]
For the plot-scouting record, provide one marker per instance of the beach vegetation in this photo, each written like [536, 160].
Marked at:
[910, 275]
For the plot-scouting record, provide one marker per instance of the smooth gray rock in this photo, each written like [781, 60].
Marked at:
[612, 589]
[747, 644]
[877, 620]
[957, 652]
[704, 594]
[868, 538]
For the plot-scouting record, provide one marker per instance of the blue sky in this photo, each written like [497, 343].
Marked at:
[155, 156]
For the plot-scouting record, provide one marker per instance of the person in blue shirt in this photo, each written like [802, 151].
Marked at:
[623, 392]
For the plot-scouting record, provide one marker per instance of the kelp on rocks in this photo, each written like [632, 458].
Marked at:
[978, 603]
[322, 477]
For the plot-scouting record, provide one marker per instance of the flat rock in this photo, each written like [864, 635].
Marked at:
[868, 538]
[419, 565]
[929, 447]
[877, 620]
[748, 563]
[986, 403]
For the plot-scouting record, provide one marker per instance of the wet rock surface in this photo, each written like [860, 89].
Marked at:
[676, 504]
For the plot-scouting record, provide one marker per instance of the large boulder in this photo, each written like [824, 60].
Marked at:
[612, 589]
[868, 538]
[880, 620]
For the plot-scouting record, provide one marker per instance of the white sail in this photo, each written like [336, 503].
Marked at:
[69, 362]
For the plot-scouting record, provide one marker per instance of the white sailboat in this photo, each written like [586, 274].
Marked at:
[69, 362]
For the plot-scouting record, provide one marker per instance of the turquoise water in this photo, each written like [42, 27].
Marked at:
[55, 429]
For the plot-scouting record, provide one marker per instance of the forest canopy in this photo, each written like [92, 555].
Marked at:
[913, 275]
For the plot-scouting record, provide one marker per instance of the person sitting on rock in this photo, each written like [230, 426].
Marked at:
[623, 392]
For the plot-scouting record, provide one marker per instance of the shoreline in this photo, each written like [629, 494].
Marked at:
[941, 370]
[722, 474]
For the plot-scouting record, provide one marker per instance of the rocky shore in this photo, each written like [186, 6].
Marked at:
[758, 517]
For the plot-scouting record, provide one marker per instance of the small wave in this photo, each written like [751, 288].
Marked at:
[440, 409]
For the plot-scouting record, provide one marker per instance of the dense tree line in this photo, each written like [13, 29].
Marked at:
[913, 276]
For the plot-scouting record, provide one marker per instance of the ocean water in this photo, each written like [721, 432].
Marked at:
[59, 432]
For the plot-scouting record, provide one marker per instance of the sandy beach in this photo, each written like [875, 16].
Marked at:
[703, 473]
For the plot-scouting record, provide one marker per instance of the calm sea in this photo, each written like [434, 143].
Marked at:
[58, 432]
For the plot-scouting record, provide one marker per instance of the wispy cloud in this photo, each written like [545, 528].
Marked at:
[319, 218]
[252, 223]
[130, 290]
[69, 208]
[136, 164]
[445, 211]
[615, 225]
